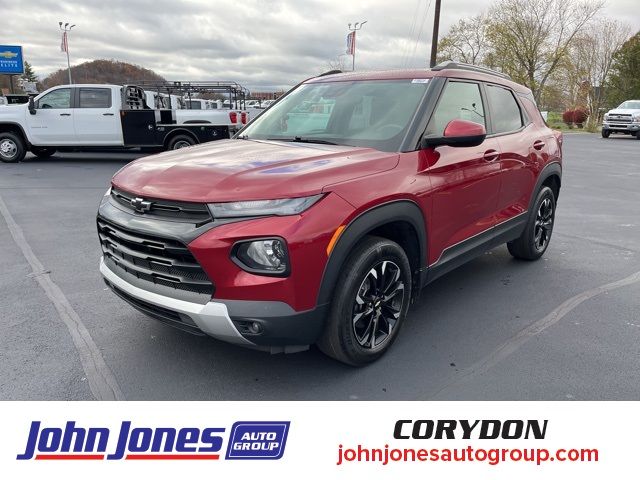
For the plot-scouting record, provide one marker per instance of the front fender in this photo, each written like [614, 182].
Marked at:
[398, 210]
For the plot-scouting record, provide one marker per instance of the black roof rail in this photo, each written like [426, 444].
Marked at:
[330, 72]
[449, 65]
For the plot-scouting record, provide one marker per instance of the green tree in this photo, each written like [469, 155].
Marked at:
[530, 38]
[624, 81]
[466, 41]
[29, 75]
[596, 50]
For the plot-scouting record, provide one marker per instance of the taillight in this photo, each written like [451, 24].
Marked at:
[243, 118]
[233, 116]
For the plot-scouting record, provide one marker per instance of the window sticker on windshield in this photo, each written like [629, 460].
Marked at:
[420, 80]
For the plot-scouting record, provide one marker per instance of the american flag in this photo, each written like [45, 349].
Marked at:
[351, 43]
[64, 45]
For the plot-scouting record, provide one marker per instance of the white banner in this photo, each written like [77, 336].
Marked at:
[330, 440]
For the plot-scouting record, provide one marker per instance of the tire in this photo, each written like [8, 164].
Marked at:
[351, 342]
[12, 149]
[605, 133]
[43, 152]
[180, 141]
[535, 239]
[638, 135]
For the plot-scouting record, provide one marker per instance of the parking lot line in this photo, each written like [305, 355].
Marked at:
[515, 342]
[102, 382]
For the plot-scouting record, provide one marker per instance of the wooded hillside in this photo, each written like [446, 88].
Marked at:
[101, 71]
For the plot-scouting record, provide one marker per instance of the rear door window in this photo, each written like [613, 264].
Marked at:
[505, 111]
[95, 98]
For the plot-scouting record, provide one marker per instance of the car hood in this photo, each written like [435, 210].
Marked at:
[623, 111]
[14, 110]
[229, 170]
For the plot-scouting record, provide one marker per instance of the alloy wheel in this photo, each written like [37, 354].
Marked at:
[543, 225]
[378, 305]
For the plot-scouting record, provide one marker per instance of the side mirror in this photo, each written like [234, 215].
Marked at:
[458, 133]
[32, 106]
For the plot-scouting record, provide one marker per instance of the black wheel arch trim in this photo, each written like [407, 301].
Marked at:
[553, 168]
[360, 226]
[27, 143]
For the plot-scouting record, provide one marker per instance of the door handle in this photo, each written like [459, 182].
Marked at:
[65, 114]
[490, 155]
[538, 144]
[107, 114]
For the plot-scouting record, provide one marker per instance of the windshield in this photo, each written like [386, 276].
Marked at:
[631, 105]
[371, 113]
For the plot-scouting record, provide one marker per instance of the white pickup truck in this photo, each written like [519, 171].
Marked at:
[82, 117]
[199, 110]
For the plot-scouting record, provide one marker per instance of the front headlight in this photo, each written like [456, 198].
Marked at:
[636, 117]
[257, 208]
[105, 197]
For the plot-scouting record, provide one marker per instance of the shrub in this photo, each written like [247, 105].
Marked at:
[575, 117]
[580, 116]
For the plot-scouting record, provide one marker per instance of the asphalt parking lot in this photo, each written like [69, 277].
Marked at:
[565, 327]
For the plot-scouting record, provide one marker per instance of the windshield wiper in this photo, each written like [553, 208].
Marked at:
[303, 140]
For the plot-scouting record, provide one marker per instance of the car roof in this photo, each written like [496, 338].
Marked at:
[410, 74]
[85, 85]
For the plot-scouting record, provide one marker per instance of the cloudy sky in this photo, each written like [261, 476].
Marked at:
[258, 43]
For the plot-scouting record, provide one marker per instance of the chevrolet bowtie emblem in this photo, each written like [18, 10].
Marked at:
[140, 205]
[8, 54]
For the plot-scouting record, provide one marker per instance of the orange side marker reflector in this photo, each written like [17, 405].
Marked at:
[334, 239]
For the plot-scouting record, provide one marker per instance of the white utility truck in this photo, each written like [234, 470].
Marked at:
[85, 117]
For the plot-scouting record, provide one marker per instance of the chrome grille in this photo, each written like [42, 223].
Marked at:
[161, 261]
[197, 213]
[622, 118]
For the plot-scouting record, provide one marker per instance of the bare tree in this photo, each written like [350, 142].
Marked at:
[466, 41]
[337, 63]
[595, 50]
[530, 38]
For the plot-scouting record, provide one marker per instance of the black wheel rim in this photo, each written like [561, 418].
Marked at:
[543, 225]
[378, 305]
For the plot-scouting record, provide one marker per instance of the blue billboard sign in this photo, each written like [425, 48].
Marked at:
[11, 60]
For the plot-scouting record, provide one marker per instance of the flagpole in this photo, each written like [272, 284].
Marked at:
[65, 44]
[353, 57]
[356, 26]
[68, 61]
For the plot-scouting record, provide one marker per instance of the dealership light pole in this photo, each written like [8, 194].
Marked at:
[356, 26]
[64, 46]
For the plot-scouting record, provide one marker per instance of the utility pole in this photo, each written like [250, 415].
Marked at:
[434, 39]
[356, 26]
[65, 44]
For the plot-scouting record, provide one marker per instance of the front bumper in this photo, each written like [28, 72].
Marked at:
[621, 127]
[211, 318]
[281, 328]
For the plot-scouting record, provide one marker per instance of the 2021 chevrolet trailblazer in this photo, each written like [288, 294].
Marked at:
[324, 217]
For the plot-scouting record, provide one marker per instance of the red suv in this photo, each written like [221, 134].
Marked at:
[323, 219]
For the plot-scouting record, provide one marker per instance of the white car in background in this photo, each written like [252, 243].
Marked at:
[624, 119]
